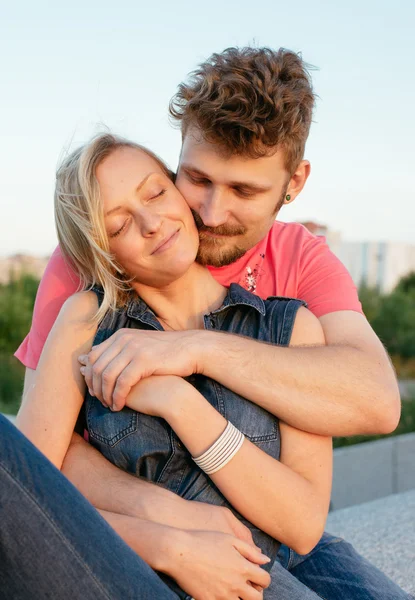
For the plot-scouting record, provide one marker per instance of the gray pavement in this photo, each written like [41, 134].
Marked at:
[383, 531]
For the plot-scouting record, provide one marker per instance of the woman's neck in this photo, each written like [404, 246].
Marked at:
[183, 303]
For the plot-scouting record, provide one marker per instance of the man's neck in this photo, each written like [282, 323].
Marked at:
[183, 303]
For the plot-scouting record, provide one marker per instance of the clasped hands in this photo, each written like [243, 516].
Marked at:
[131, 356]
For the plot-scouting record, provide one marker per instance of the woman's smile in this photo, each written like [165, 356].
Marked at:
[166, 243]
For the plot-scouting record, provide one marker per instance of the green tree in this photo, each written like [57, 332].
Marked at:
[371, 300]
[395, 323]
[16, 306]
[407, 283]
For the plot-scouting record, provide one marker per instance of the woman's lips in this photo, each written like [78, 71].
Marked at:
[168, 243]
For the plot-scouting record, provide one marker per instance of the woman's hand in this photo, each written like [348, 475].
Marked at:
[215, 566]
[157, 394]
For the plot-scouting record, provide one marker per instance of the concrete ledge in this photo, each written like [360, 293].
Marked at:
[383, 531]
[373, 470]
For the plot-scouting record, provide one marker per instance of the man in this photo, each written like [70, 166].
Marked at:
[245, 117]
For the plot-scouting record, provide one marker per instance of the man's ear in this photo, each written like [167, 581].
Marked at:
[298, 180]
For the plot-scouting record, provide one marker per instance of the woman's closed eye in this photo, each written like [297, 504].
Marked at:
[153, 195]
[157, 194]
[121, 229]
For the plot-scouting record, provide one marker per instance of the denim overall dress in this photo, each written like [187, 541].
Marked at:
[147, 447]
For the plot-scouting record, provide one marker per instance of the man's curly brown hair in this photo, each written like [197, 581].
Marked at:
[249, 101]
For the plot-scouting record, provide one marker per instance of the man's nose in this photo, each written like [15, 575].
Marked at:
[213, 210]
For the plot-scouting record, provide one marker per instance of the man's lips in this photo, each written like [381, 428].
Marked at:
[211, 234]
[166, 243]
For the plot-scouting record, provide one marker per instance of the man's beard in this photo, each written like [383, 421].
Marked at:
[211, 251]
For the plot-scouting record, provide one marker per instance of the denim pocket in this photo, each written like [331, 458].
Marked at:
[257, 424]
[133, 441]
[109, 427]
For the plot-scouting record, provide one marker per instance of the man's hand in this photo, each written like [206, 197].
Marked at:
[129, 355]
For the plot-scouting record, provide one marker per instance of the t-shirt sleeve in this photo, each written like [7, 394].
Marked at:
[59, 282]
[324, 282]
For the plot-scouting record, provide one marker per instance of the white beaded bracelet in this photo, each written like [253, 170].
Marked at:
[221, 451]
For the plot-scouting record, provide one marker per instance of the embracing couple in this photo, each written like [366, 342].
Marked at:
[211, 356]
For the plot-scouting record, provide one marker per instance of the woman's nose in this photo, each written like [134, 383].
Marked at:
[150, 223]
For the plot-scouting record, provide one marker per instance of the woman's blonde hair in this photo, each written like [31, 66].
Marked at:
[79, 219]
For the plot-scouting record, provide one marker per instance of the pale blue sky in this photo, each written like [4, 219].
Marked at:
[69, 67]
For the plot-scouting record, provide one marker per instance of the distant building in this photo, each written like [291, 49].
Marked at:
[14, 266]
[375, 264]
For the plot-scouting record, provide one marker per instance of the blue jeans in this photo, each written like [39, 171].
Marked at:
[332, 571]
[53, 543]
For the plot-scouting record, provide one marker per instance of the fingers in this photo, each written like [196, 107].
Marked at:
[254, 574]
[104, 364]
[89, 360]
[242, 532]
[107, 378]
[252, 553]
[250, 593]
[258, 577]
[129, 377]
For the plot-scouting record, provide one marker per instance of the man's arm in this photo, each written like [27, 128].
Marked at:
[347, 387]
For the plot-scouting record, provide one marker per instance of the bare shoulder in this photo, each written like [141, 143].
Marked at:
[307, 329]
[79, 308]
[73, 330]
[75, 321]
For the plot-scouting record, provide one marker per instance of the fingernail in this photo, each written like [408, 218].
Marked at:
[82, 369]
[81, 357]
[91, 393]
[266, 558]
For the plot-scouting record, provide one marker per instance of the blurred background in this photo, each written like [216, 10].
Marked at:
[72, 69]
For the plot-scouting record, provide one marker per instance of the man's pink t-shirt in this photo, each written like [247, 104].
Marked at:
[289, 261]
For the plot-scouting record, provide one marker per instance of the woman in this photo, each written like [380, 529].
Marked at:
[126, 228]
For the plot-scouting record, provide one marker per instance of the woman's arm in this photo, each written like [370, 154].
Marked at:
[53, 398]
[287, 499]
[205, 564]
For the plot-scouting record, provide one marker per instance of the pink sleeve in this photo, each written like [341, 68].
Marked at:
[58, 283]
[324, 283]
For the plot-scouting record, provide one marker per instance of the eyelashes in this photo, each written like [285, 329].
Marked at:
[163, 191]
[126, 222]
[113, 235]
